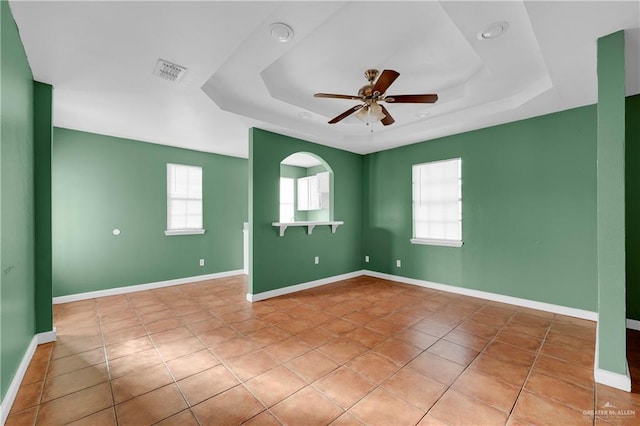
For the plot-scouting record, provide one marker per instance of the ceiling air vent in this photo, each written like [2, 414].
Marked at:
[169, 71]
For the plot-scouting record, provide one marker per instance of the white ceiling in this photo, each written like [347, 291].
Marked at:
[99, 56]
[301, 159]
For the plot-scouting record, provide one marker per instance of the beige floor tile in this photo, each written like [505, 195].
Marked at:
[381, 407]
[344, 386]
[129, 347]
[341, 350]
[487, 389]
[286, 350]
[374, 367]
[263, 419]
[75, 362]
[415, 388]
[456, 408]
[436, 368]
[312, 365]
[566, 393]
[183, 418]
[101, 418]
[533, 409]
[275, 385]
[23, 418]
[77, 380]
[207, 384]
[191, 364]
[131, 363]
[307, 406]
[232, 407]
[139, 382]
[251, 364]
[76, 405]
[151, 407]
[28, 396]
[361, 351]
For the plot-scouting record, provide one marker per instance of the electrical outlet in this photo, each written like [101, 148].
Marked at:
[398, 263]
[201, 262]
[317, 260]
[366, 259]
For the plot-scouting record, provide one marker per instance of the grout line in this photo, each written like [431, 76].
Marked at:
[107, 362]
[44, 382]
[166, 366]
[538, 353]
[99, 325]
[304, 302]
[479, 353]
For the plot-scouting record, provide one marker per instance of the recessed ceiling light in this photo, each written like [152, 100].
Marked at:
[304, 114]
[422, 114]
[282, 33]
[493, 31]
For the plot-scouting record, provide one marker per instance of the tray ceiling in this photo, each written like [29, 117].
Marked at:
[99, 56]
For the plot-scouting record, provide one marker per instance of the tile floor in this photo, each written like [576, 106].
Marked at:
[362, 351]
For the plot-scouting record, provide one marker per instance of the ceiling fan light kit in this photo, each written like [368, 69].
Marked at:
[371, 94]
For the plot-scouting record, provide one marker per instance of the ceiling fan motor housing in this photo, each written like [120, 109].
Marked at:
[366, 91]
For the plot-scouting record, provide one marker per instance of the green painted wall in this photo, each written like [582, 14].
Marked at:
[101, 183]
[43, 138]
[529, 218]
[632, 205]
[611, 204]
[277, 262]
[17, 288]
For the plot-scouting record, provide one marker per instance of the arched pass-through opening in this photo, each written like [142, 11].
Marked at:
[306, 192]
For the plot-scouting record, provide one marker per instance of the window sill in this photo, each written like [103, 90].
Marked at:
[172, 232]
[434, 242]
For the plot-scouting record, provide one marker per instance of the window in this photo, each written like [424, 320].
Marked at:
[287, 199]
[184, 200]
[313, 192]
[437, 203]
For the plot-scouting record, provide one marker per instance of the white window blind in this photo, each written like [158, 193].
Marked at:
[184, 200]
[437, 203]
[287, 201]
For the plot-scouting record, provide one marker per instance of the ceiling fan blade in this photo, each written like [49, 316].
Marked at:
[346, 114]
[334, 96]
[388, 119]
[384, 81]
[411, 99]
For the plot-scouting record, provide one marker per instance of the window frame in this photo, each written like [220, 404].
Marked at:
[292, 204]
[436, 241]
[184, 231]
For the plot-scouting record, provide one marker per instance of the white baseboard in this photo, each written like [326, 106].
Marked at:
[14, 386]
[615, 380]
[633, 324]
[303, 286]
[141, 287]
[47, 336]
[606, 377]
[609, 378]
[542, 306]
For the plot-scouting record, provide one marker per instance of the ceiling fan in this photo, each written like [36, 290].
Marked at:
[371, 94]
